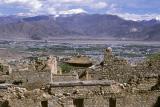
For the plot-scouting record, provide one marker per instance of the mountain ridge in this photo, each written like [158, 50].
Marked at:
[78, 25]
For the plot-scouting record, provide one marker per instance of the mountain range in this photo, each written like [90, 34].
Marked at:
[91, 26]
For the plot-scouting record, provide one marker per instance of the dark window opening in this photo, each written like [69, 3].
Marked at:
[44, 103]
[2, 81]
[7, 73]
[112, 102]
[157, 104]
[17, 82]
[5, 104]
[78, 102]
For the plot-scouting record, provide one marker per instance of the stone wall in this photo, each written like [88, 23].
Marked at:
[147, 99]
[29, 79]
[32, 80]
[65, 77]
[118, 69]
[144, 83]
[86, 93]
[105, 96]
[80, 94]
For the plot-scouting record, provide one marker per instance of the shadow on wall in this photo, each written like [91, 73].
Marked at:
[157, 104]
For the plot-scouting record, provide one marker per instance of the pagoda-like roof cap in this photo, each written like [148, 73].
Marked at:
[79, 60]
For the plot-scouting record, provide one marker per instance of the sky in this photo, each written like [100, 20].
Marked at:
[128, 9]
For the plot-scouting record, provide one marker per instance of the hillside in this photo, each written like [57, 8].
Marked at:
[77, 26]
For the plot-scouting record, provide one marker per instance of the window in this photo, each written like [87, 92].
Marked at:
[78, 102]
[112, 102]
[157, 104]
[5, 104]
[44, 103]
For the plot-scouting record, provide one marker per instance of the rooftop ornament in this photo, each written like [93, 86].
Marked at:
[80, 61]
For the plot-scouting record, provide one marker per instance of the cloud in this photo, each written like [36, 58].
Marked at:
[26, 14]
[100, 5]
[57, 6]
[128, 9]
[134, 11]
[73, 11]
[33, 5]
[138, 17]
[69, 1]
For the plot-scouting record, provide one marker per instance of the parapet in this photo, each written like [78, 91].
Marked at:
[83, 83]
